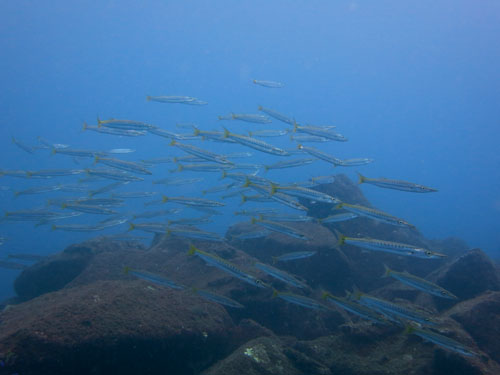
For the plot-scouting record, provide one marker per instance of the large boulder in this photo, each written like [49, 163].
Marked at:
[480, 317]
[126, 327]
[469, 275]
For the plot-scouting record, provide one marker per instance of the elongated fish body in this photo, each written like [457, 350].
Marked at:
[89, 209]
[159, 228]
[188, 158]
[308, 138]
[107, 188]
[280, 228]
[168, 134]
[391, 247]
[323, 179]
[256, 211]
[336, 218]
[155, 279]
[114, 131]
[49, 173]
[255, 144]
[107, 202]
[419, 283]
[77, 153]
[320, 132]
[280, 275]
[396, 184]
[217, 298]
[194, 234]
[293, 256]
[289, 164]
[127, 166]
[255, 198]
[201, 153]
[193, 201]
[297, 299]
[354, 162]
[113, 174]
[170, 99]
[219, 188]
[298, 191]
[269, 84]
[226, 266]
[134, 194]
[275, 114]
[355, 308]
[23, 146]
[375, 214]
[247, 117]
[287, 218]
[212, 135]
[178, 181]
[150, 214]
[252, 234]
[76, 227]
[15, 173]
[38, 190]
[203, 167]
[319, 154]
[190, 220]
[123, 124]
[279, 197]
[440, 340]
[394, 309]
[29, 215]
[267, 133]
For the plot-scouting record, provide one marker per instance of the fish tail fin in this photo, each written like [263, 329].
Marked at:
[339, 206]
[148, 98]
[244, 198]
[361, 178]
[131, 226]
[275, 259]
[54, 151]
[53, 227]
[275, 293]
[172, 142]
[253, 220]
[409, 330]
[99, 122]
[126, 270]
[192, 250]
[325, 295]
[387, 271]
[84, 126]
[266, 168]
[259, 108]
[295, 126]
[96, 159]
[196, 131]
[274, 188]
[164, 199]
[341, 240]
[226, 132]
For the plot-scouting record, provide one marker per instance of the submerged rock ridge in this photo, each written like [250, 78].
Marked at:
[103, 307]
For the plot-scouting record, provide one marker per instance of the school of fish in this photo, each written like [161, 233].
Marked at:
[104, 174]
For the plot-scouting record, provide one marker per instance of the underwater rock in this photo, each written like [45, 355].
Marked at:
[125, 327]
[481, 319]
[58, 270]
[329, 267]
[267, 356]
[468, 275]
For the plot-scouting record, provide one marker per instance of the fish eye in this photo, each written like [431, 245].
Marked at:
[429, 253]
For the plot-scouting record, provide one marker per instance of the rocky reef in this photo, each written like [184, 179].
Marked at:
[78, 312]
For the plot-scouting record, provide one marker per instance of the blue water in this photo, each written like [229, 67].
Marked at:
[415, 86]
